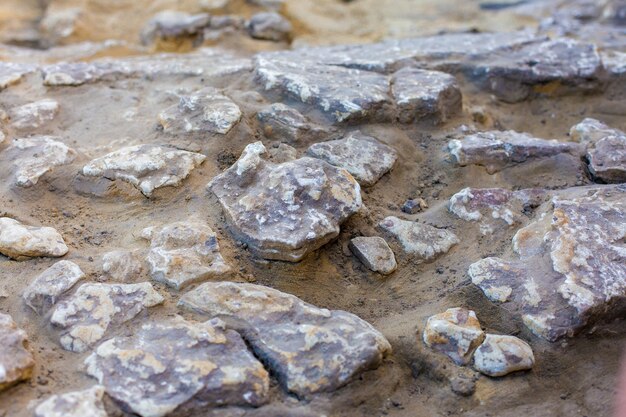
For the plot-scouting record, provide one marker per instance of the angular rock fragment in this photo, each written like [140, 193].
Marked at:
[147, 167]
[375, 253]
[362, 156]
[45, 290]
[184, 253]
[33, 115]
[16, 362]
[285, 123]
[22, 242]
[85, 403]
[309, 349]
[500, 355]
[179, 365]
[85, 317]
[121, 265]
[414, 206]
[170, 24]
[283, 211]
[269, 26]
[456, 333]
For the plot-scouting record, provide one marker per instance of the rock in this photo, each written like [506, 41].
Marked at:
[283, 211]
[456, 333]
[123, 265]
[12, 73]
[500, 355]
[461, 385]
[279, 153]
[285, 123]
[269, 26]
[496, 150]
[362, 156]
[33, 115]
[85, 317]
[22, 242]
[35, 156]
[412, 206]
[375, 254]
[171, 24]
[45, 290]
[421, 241]
[85, 403]
[16, 362]
[147, 167]
[204, 111]
[309, 349]
[184, 253]
[179, 365]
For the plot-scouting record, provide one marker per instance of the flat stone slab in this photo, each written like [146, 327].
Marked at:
[85, 317]
[281, 122]
[146, 167]
[309, 349]
[123, 265]
[375, 254]
[43, 293]
[85, 403]
[500, 355]
[365, 158]
[21, 242]
[16, 362]
[176, 365]
[33, 115]
[283, 211]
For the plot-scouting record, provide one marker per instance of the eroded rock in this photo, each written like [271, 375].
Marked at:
[45, 290]
[33, 115]
[456, 333]
[375, 253]
[500, 355]
[12, 73]
[16, 362]
[171, 24]
[74, 404]
[285, 123]
[123, 265]
[22, 242]
[269, 26]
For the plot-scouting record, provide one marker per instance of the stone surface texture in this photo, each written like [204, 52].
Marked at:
[21, 242]
[269, 26]
[500, 355]
[85, 403]
[16, 362]
[375, 254]
[285, 123]
[33, 115]
[46, 289]
[123, 265]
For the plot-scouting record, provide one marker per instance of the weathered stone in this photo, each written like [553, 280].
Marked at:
[283, 211]
[204, 111]
[45, 290]
[500, 355]
[281, 152]
[414, 206]
[176, 365]
[147, 167]
[375, 253]
[362, 156]
[496, 150]
[285, 123]
[171, 24]
[22, 242]
[85, 403]
[85, 317]
[12, 73]
[16, 362]
[309, 349]
[456, 333]
[269, 26]
[184, 253]
[422, 241]
[122, 265]
[33, 115]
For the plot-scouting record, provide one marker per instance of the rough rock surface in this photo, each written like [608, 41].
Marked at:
[309, 349]
[45, 290]
[172, 24]
[285, 123]
[16, 362]
[375, 253]
[85, 317]
[500, 355]
[33, 115]
[283, 211]
[178, 364]
[74, 404]
[269, 26]
[456, 333]
[12, 73]
[122, 265]
[22, 242]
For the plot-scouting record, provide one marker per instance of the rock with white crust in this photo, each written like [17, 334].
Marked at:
[21, 242]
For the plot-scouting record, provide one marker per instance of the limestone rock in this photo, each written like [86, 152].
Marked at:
[269, 26]
[122, 265]
[309, 349]
[285, 123]
[500, 355]
[16, 362]
[177, 364]
[22, 242]
[362, 156]
[375, 253]
[33, 115]
[85, 317]
[184, 253]
[85, 403]
[147, 167]
[171, 24]
[283, 211]
[45, 290]
[456, 333]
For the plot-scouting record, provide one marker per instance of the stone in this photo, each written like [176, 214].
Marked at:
[414, 206]
[16, 362]
[45, 290]
[500, 355]
[421, 241]
[184, 253]
[281, 122]
[284, 211]
[279, 153]
[176, 365]
[12, 73]
[496, 150]
[85, 317]
[21, 242]
[74, 404]
[33, 115]
[309, 349]
[375, 254]
[365, 158]
[35, 156]
[171, 24]
[146, 167]
[269, 26]
[205, 111]
[123, 265]
[569, 268]
[456, 333]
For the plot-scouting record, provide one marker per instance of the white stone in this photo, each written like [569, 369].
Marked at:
[85, 403]
[35, 156]
[22, 242]
[16, 362]
[500, 355]
[33, 115]
[45, 290]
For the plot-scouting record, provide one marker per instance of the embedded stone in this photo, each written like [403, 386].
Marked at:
[500, 355]
[269, 26]
[171, 24]
[43, 293]
[21, 242]
[16, 362]
[122, 265]
[285, 123]
[74, 404]
[375, 254]
[414, 206]
[33, 115]
[309, 349]
[179, 365]
[284, 211]
[85, 317]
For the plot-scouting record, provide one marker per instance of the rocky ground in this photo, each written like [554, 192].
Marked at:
[312, 208]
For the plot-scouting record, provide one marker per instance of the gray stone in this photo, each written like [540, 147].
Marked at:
[12, 73]
[178, 365]
[16, 362]
[171, 24]
[22, 242]
[456, 333]
[414, 206]
[122, 265]
[283, 211]
[285, 123]
[308, 348]
[269, 26]
[85, 403]
[33, 115]
[375, 253]
[500, 355]
[45, 290]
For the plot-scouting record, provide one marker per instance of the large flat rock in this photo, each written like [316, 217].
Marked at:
[20, 242]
